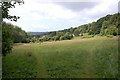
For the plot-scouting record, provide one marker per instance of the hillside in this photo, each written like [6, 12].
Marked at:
[104, 26]
[38, 34]
[105, 23]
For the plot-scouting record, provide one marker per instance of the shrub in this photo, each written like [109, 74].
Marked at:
[110, 36]
[6, 39]
[97, 35]
[88, 36]
[66, 37]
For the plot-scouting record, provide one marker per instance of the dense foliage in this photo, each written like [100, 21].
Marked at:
[12, 34]
[7, 36]
[105, 26]
[5, 5]
[6, 39]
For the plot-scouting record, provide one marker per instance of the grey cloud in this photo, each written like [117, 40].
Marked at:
[77, 6]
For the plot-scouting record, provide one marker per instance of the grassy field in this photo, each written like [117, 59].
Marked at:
[78, 58]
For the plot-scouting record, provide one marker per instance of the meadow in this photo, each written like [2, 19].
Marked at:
[77, 58]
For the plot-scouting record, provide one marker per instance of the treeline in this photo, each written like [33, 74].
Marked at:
[12, 34]
[107, 25]
[104, 26]
[17, 35]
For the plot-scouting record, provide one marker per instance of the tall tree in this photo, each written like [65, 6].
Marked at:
[76, 32]
[5, 6]
[104, 26]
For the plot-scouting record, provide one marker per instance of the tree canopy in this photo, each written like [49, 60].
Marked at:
[6, 5]
[7, 28]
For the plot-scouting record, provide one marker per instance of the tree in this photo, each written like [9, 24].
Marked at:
[112, 30]
[44, 38]
[18, 34]
[76, 32]
[71, 30]
[51, 34]
[5, 9]
[56, 38]
[67, 36]
[12, 34]
[7, 40]
[33, 40]
[104, 26]
[59, 34]
[62, 38]
[94, 28]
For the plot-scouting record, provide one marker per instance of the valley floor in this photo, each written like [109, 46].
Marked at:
[77, 58]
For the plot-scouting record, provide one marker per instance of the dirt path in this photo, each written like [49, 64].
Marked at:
[22, 45]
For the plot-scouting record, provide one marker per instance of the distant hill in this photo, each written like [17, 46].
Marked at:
[38, 34]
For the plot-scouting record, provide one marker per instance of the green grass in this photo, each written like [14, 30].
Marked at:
[77, 58]
[88, 36]
[17, 44]
[106, 59]
[19, 65]
[109, 36]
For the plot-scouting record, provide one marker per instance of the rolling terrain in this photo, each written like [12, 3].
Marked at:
[77, 58]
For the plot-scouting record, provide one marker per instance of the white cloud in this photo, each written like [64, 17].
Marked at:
[33, 13]
[51, 10]
[104, 8]
[36, 27]
[100, 10]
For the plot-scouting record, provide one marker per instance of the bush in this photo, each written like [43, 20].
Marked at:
[27, 40]
[62, 38]
[56, 38]
[110, 36]
[6, 39]
[88, 36]
[98, 35]
[66, 37]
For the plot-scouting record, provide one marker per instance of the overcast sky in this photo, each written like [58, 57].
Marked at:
[39, 16]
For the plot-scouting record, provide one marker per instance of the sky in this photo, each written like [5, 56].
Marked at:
[53, 15]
